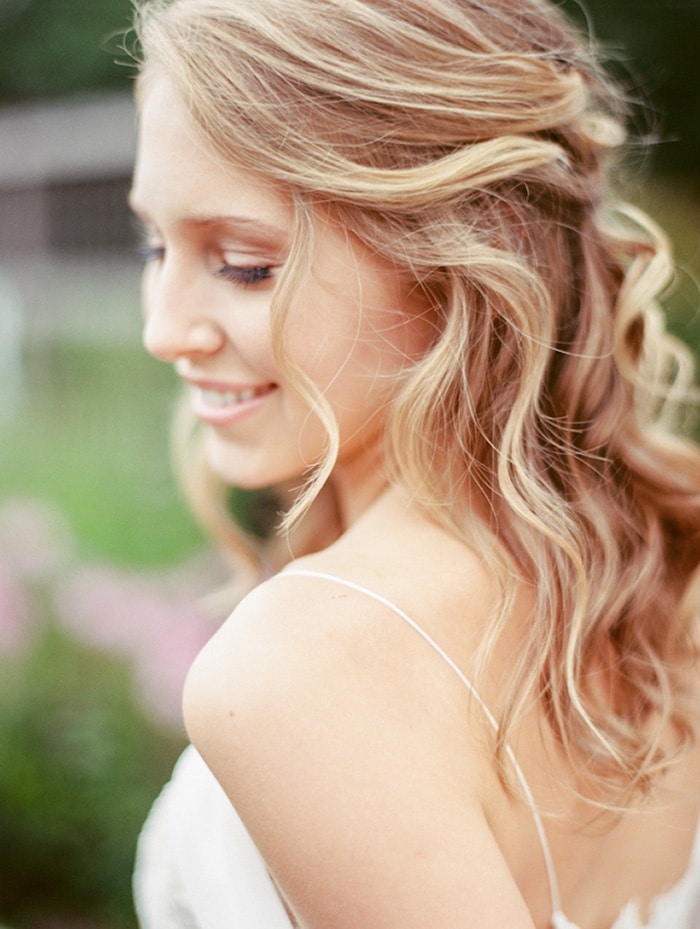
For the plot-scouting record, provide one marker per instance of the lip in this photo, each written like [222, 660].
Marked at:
[220, 404]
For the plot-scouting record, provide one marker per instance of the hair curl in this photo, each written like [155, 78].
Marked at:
[470, 144]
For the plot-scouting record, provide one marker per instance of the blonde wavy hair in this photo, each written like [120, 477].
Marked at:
[470, 143]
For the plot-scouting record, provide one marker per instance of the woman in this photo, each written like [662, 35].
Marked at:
[381, 255]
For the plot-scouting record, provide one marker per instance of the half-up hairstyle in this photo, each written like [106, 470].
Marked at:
[470, 144]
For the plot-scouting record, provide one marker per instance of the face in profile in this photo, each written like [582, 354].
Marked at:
[216, 241]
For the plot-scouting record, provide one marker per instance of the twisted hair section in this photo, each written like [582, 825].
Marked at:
[470, 144]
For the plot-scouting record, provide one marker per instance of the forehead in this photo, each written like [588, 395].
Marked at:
[179, 174]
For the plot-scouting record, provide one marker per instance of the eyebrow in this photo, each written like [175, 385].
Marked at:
[252, 230]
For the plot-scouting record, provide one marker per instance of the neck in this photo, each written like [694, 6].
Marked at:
[357, 483]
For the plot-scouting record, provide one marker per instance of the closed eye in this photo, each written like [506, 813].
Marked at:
[245, 276]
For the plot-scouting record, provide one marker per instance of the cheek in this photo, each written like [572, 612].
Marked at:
[249, 335]
[419, 323]
[396, 340]
[357, 358]
[257, 351]
[355, 323]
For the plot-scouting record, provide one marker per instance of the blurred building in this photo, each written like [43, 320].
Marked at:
[66, 240]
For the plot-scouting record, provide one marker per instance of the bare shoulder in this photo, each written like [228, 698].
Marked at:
[333, 731]
[331, 624]
[305, 645]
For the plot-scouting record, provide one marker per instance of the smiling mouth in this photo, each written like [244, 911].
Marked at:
[226, 398]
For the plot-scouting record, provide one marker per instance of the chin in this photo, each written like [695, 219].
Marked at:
[249, 469]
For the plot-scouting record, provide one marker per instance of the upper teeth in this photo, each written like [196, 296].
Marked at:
[228, 397]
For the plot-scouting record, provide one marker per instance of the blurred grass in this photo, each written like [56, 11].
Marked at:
[91, 435]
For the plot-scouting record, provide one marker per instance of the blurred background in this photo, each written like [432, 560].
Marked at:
[101, 569]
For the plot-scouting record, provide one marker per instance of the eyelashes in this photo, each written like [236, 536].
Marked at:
[243, 276]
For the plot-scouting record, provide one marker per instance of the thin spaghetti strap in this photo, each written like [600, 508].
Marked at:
[539, 825]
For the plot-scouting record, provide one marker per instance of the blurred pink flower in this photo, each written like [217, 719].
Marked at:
[14, 612]
[35, 538]
[155, 620]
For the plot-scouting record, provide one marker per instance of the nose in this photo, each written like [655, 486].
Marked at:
[176, 322]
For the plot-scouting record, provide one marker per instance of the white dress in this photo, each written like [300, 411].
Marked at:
[197, 867]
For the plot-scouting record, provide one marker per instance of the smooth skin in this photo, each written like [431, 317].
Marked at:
[352, 752]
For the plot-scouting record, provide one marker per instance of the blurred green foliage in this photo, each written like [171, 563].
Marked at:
[52, 48]
[92, 436]
[675, 205]
[651, 47]
[80, 769]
